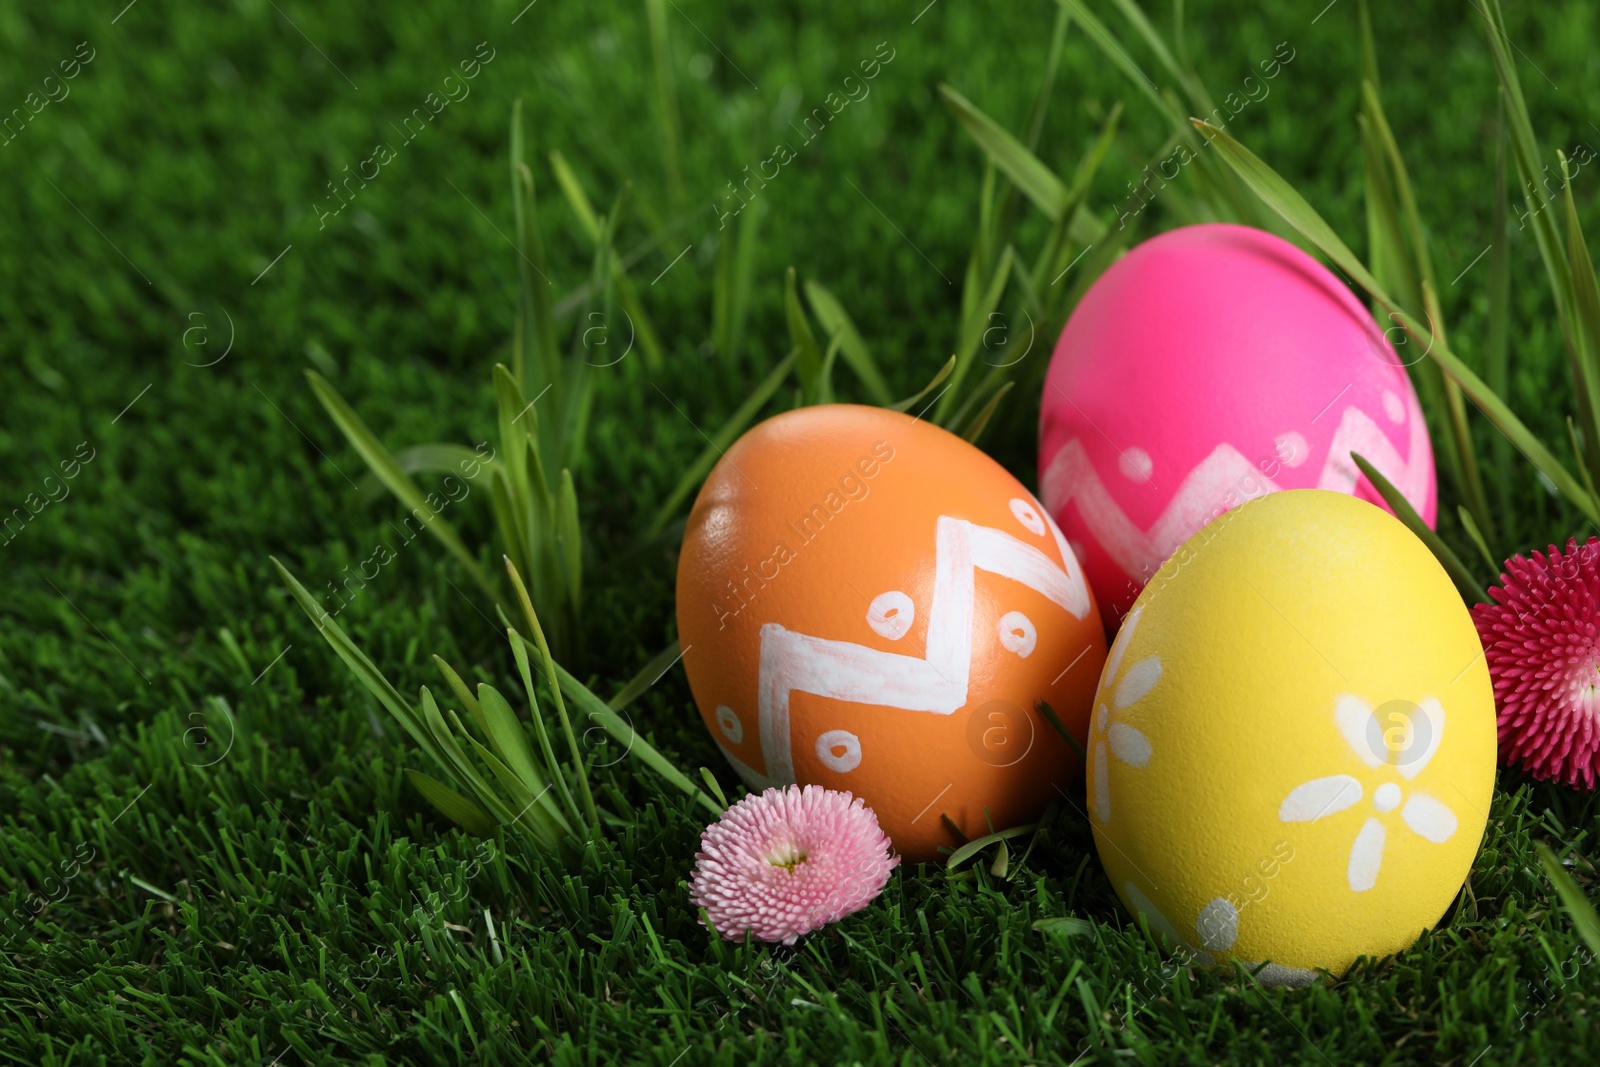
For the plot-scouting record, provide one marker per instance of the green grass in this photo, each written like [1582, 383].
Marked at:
[252, 878]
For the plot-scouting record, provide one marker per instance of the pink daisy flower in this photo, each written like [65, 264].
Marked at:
[1542, 641]
[789, 861]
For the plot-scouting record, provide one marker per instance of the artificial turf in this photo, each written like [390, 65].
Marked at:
[209, 851]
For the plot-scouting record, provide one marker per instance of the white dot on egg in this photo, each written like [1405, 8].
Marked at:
[1393, 406]
[1386, 797]
[728, 722]
[891, 614]
[1027, 515]
[1136, 465]
[1292, 448]
[1218, 925]
[1017, 633]
[839, 750]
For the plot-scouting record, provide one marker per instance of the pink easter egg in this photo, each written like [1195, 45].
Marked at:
[1208, 366]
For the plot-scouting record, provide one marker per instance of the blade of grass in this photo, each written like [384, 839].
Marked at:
[1497, 348]
[454, 759]
[1025, 170]
[1113, 51]
[666, 98]
[712, 784]
[1579, 908]
[364, 669]
[578, 768]
[938, 379]
[1469, 586]
[1047, 80]
[459, 689]
[1525, 153]
[1462, 461]
[972, 331]
[696, 471]
[809, 364]
[623, 732]
[981, 420]
[1283, 199]
[978, 844]
[733, 282]
[437, 457]
[569, 539]
[577, 199]
[508, 739]
[383, 465]
[452, 805]
[837, 322]
[1188, 82]
[569, 804]
[1585, 335]
[1476, 537]
[648, 675]
[534, 338]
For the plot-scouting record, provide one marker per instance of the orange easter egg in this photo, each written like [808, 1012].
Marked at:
[869, 603]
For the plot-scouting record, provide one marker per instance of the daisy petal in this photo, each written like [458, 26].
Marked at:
[1129, 745]
[1429, 818]
[1365, 856]
[1311, 800]
[1140, 679]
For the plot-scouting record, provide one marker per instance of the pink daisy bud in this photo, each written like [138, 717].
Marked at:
[789, 861]
[1542, 641]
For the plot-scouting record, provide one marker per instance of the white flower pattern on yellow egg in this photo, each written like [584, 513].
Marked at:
[1125, 742]
[1427, 816]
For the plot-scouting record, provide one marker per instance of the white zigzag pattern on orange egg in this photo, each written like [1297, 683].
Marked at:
[795, 662]
[1071, 477]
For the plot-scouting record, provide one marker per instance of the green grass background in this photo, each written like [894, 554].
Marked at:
[277, 893]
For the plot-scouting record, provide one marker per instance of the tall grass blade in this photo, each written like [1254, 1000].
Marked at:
[1497, 346]
[981, 421]
[1525, 152]
[1283, 199]
[1025, 170]
[382, 464]
[696, 471]
[648, 675]
[808, 364]
[578, 769]
[595, 709]
[363, 668]
[459, 690]
[972, 331]
[666, 99]
[1470, 587]
[1579, 907]
[577, 199]
[938, 379]
[836, 322]
[1047, 80]
[1186, 80]
[1585, 337]
[507, 738]
[452, 805]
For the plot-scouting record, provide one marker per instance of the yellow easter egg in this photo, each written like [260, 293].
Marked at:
[1292, 750]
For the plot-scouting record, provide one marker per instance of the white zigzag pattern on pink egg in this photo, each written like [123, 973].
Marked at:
[1072, 478]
